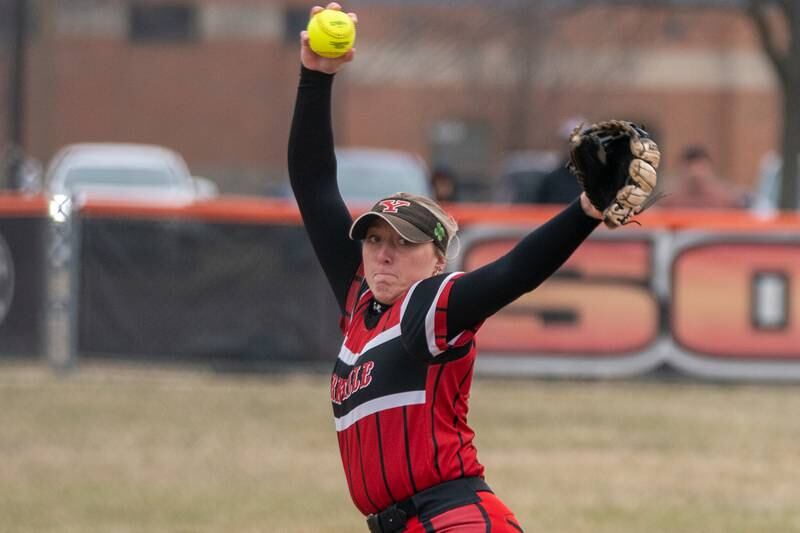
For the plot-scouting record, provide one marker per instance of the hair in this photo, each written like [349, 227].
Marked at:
[695, 152]
[449, 223]
[443, 172]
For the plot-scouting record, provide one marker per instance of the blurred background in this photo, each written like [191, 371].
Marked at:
[165, 330]
[470, 85]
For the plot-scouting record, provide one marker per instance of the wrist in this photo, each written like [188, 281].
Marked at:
[311, 74]
[589, 209]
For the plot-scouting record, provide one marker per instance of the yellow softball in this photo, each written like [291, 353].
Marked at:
[331, 33]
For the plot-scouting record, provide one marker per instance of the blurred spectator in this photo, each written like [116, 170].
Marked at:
[29, 180]
[698, 185]
[521, 174]
[20, 171]
[560, 186]
[444, 184]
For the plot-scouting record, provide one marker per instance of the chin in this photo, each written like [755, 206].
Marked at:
[387, 297]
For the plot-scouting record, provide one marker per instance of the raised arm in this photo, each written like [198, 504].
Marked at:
[312, 171]
[479, 294]
[615, 162]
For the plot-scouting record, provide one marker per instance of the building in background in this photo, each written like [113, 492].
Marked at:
[215, 80]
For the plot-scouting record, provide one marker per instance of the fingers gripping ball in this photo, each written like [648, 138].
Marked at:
[615, 163]
[331, 33]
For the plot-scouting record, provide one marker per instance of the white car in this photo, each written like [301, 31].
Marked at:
[369, 174]
[130, 172]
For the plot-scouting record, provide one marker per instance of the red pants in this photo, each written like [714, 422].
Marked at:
[489, 514]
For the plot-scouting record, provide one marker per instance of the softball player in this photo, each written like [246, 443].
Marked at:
[402, 377]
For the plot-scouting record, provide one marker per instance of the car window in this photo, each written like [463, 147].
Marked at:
[363, 177]
[115, 176]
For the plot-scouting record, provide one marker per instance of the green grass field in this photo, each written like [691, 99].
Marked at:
[121, 449]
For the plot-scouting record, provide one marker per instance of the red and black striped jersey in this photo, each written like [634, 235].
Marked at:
[400, 388]
[400, 392]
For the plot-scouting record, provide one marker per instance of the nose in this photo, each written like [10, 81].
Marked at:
[385, 253]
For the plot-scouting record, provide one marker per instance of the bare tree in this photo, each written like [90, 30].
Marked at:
[777, 23]
[782, 46]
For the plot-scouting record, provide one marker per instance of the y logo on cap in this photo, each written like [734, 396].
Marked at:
[390, 206]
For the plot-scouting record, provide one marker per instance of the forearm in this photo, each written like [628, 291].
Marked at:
[312, 173]
[312, 163]
[481, 293]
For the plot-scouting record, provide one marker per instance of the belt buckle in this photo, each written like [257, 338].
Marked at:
[392, 519]
[373, 523]
[388, 521]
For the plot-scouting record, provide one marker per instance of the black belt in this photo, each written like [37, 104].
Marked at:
[428, 503]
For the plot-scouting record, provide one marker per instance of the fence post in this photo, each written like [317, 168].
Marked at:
[62, 257]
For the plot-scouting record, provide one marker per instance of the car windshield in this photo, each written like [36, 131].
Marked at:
[370, 178]
[118, 177]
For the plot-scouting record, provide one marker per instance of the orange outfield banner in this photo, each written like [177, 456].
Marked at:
[249, 209]
[22, 205]
[714, 293]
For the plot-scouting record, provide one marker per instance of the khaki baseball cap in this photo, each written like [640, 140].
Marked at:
[413, 221]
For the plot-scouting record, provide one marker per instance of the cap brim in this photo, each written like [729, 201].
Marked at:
[405, 229]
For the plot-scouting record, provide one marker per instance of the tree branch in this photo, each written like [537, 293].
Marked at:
[786, 7]
[756, 8]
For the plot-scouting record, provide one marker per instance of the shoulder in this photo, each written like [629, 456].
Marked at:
[423, 319]
[422, 294]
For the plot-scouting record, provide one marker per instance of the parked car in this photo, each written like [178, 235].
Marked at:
[368, 174]
[137, 172]
[522, 174]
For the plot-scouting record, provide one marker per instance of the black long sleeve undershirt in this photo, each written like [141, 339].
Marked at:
[474, 296]
[482, 292]
[312, 173]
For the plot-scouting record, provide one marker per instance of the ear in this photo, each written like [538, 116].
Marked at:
[438, 268]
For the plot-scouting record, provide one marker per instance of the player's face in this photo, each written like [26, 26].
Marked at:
[392, 264]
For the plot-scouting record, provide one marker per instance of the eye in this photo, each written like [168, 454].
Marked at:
[372, 239]
[402, 242]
